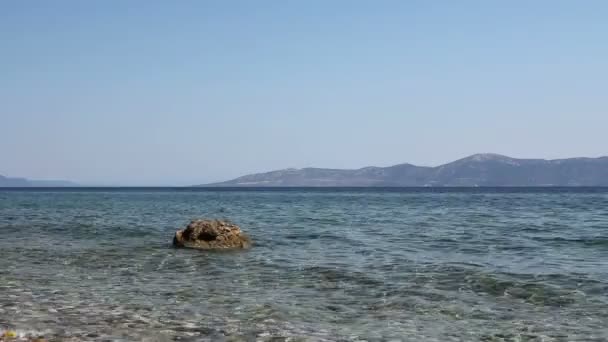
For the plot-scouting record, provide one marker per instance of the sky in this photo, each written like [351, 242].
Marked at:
[187, 92]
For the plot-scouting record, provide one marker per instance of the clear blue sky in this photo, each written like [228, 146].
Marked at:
[181, 92]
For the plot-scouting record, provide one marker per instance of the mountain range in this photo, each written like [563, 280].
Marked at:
[6, 182]
[486, 169]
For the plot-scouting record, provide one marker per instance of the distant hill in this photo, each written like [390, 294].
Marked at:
[476, 170]
[6, 182]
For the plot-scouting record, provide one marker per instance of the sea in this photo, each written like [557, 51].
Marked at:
[327, 264]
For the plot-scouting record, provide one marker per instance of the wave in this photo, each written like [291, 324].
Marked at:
[598, 242]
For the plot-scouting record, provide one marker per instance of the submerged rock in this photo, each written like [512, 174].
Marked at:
[16, 336]
[211, 234]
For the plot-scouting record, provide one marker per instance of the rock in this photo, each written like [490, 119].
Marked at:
[8, 335]
[211, 234]
[15, 336]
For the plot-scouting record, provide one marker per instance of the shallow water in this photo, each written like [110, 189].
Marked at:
[349, 265]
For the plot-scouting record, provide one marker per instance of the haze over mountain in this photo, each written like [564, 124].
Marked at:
[476, 170]
[9, 182]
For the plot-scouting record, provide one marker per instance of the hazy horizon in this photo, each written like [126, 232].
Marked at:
[192, 183]
[158, 93]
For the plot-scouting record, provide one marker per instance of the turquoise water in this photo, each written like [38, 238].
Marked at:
[327, 265]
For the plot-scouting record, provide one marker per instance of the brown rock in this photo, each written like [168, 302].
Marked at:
[211, 234]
